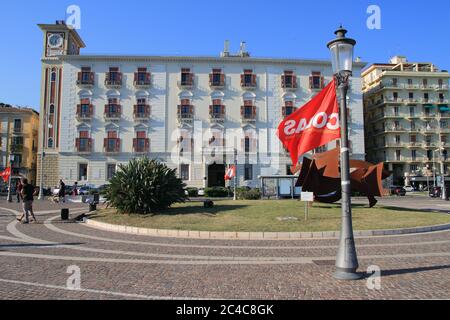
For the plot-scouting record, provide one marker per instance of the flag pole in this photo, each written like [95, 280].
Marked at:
[235, 175]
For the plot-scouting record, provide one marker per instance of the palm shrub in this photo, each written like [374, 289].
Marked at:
[144, 186]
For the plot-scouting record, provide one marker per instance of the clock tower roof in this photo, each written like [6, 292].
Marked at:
[62, 27]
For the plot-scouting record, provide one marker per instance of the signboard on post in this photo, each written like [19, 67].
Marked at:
[307, 197]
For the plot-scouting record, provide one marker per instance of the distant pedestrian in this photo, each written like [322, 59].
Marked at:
[28, 192]
[62, 191]
[19, 190]
[75, 189]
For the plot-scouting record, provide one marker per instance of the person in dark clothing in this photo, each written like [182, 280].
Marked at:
[19, 191]
[62, 191]
[28, 192]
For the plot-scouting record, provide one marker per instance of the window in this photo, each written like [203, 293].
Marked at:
[52, 109]
[413, 155]
[426, 97]
[184, 172]
[217, 78]
[398, 154]
[141, 141]
[413, 139]
[410, 82]
[411, 111]
[397, 139]
[113, 74]
[17, 141]
[288, 170]
[82, 171]
[110, 171]
[186, 76]
[413, 168]
[395, 94]
[112, 142]
[396, 111]
[142, 76]
[289, 80]
[430, 155]
[17, 125]
[425, 83]
[316, 81]
[83, 142]
[248, 172]
[440, 83]
[17, 160]
[441, 97]
[411, 95]
[247, 144]
[394, 82]
[50, 143]
[288, 108]
[248, 79]
[321, 149]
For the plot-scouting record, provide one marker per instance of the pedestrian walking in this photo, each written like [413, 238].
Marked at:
[19, 190]
[28, 192]
[62, 191]
[75, 189]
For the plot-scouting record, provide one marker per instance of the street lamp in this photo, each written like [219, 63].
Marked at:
[341, 50]
[11, 161]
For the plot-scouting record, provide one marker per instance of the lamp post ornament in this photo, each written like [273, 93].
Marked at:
[341, 50]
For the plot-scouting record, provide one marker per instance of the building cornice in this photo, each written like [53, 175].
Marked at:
[131, 58]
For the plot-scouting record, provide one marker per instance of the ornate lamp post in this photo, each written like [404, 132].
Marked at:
[341, 50]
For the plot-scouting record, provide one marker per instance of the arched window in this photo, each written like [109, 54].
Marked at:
[53, 76]
[50, 143]
[52, 109]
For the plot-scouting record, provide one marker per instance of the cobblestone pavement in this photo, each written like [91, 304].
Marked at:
[37, 263]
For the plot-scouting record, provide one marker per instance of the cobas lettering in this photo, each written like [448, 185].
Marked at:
[319, 121]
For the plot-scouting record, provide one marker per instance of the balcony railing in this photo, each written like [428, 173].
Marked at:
[139, 147]
[17, 130]
[185, 117]
[17, 148]
[141, 112]
[83, 145]
[142, 80]
[443, 87]
[111, 113]
[113, 81]
[85, 113]
[112, 145]
[86, 79]
[216, 117]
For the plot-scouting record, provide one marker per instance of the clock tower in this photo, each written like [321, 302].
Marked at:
[59, 40]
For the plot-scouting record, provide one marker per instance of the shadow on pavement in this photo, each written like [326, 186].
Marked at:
[38, 245]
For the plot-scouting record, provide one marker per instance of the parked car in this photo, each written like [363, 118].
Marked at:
[436, 192]
[201, 192]
[398, 191]
[408, 188]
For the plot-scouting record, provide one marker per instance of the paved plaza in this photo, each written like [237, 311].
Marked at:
[38, 262]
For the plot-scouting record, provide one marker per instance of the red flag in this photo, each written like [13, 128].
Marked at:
[5, 174]
[313, 125]
[231, 173]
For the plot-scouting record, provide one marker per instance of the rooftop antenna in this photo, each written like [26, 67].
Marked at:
[226, 49]
[243, 50]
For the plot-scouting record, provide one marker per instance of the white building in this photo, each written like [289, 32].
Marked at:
[190, 112]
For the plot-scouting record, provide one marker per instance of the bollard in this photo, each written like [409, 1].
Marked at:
[65, 214]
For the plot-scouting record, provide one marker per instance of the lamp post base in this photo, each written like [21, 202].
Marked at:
[347, 274]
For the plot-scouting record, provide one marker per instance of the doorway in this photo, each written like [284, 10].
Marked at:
[216, 175]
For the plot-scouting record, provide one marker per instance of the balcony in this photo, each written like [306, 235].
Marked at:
[142, 80]
[111, 145]
[141, 145]
[426, 87]
[86, 79]
[248, 81]
[186, 82]
[113, 112]
[217, 81]
[289, 82]
[442, 101]
[141, 112]
[248, 114]
[393, 100]
[443, 87]
[185, 117]
[83, 145]
[113, 80]
[216, 117]
[84, 113]
[17, 130]
[17, 147]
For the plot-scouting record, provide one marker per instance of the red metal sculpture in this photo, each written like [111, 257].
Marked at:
[321, 176]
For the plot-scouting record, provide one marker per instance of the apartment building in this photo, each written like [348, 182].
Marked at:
[193, 113]
[407, 118]
[19, 138]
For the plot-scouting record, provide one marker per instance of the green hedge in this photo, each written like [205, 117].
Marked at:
[217, 192]
[248, 194]
[192, 192]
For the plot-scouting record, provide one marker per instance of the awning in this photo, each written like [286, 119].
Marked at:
[429, 105]
[444, 108]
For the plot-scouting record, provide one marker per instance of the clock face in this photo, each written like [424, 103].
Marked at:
[55, 40]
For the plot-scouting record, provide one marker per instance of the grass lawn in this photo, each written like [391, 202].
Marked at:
[253, 216]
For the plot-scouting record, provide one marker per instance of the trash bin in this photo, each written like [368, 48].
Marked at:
[92, 207]
[65, 214]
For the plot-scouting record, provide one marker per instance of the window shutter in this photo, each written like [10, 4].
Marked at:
[147, 144]
[135, 109]
[77, 143]
[119, 109]
[80, 76]
[89, 144]
[210, 110]
[179, 110]
[283, 112]
[91, 77]
[222, 78]
[254, 79]
[136, 78]
[84, 134]
[106, 108]
[85, 101]
[191, 109]
[141, 134]
[117, 144]
[311, 84]
[294, 81]
[322, 82]
[242, 110]
[105, 143]
[78, 108]
[147, 76]
[91, 109]
[210, 78]
[242, 79]
[283, 81]
[254, 111]
[134, 144]
[223, 109]
[147, 109]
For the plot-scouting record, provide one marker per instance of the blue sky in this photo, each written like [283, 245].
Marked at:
[279, 28]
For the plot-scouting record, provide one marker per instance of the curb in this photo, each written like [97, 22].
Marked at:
[212, 235]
